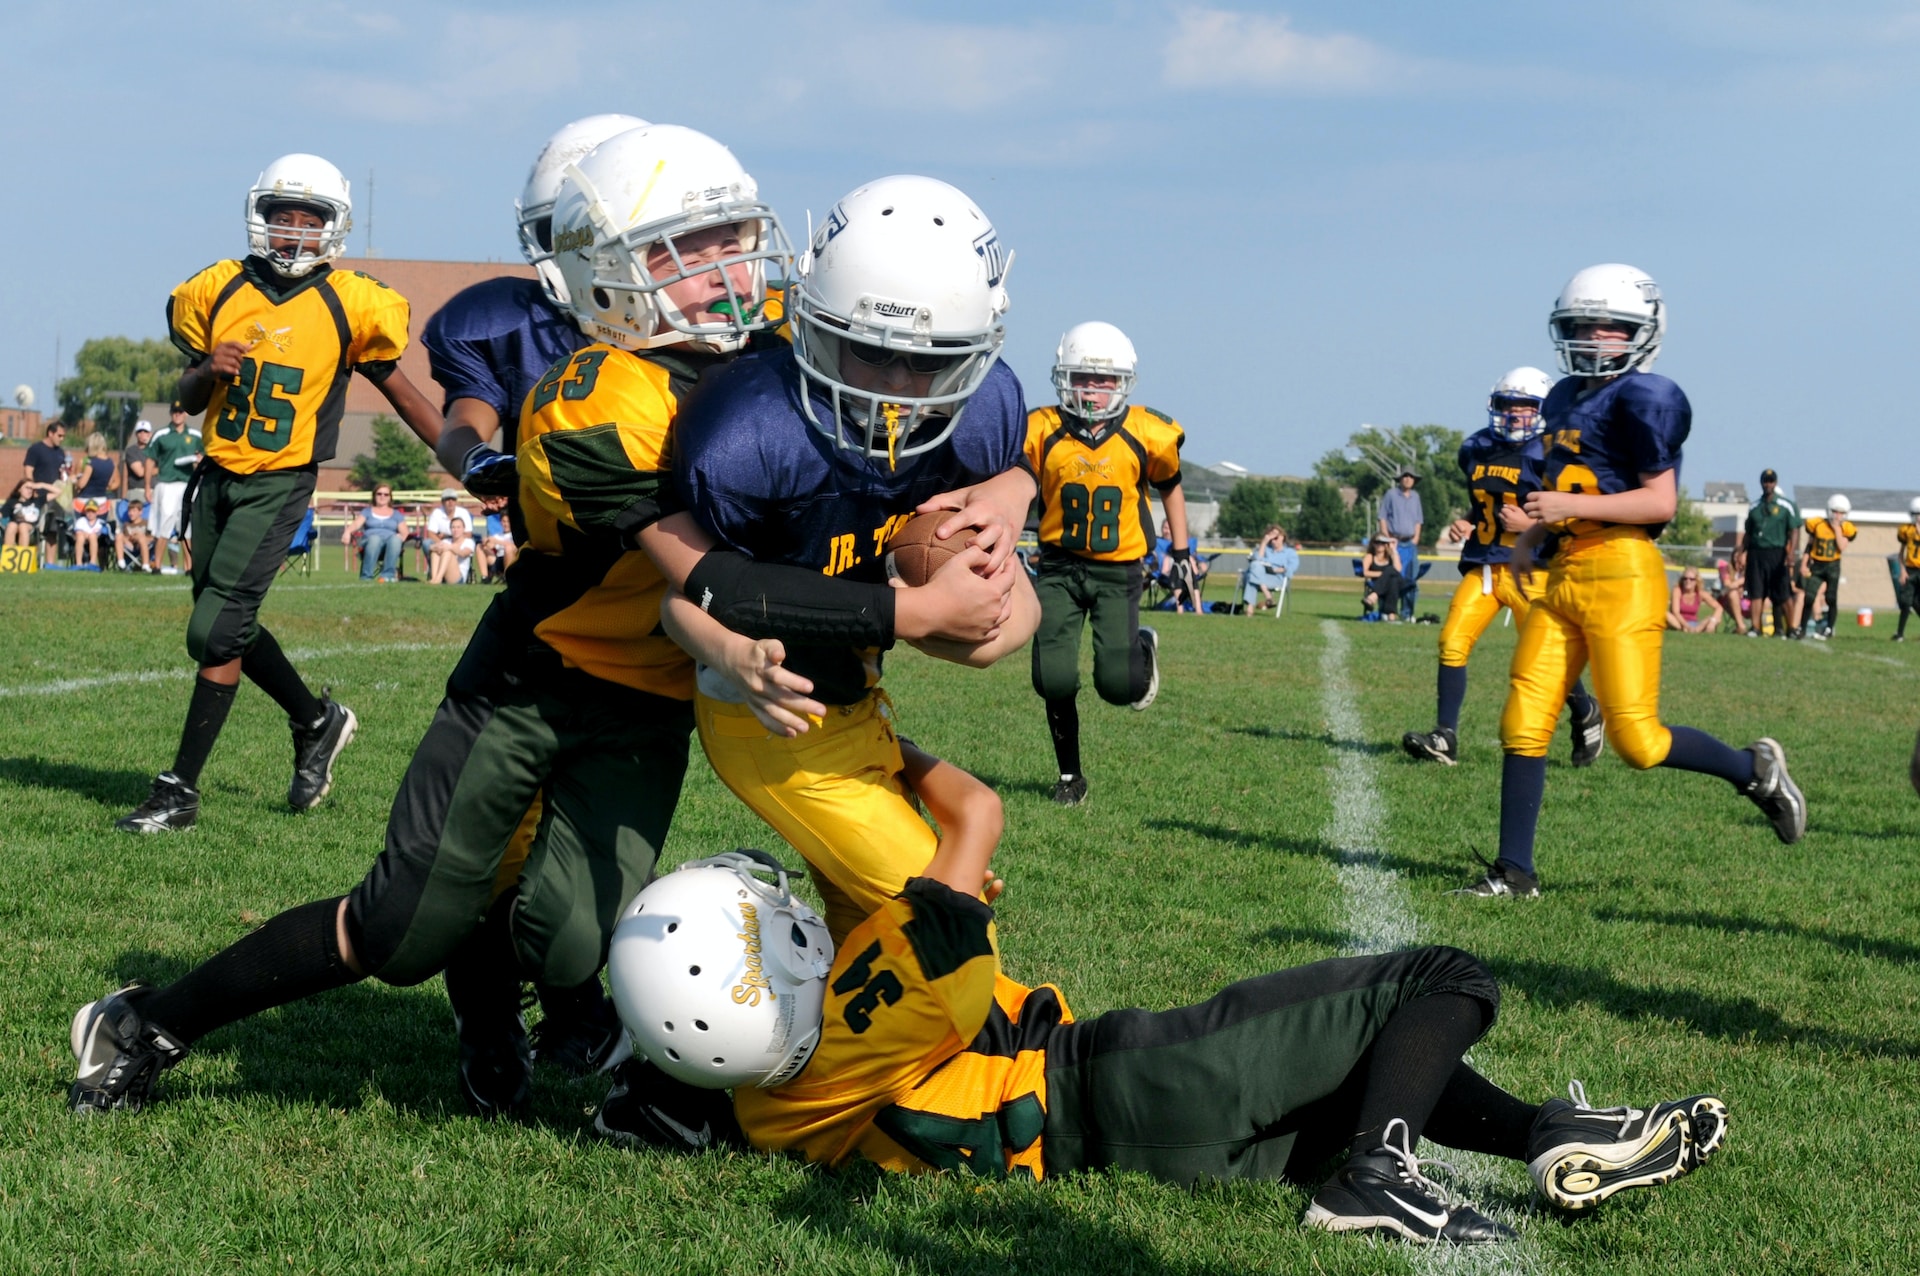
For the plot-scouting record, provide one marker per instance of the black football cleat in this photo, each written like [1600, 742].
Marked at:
[1580, 1155]
[1502, 878]
[1438, 745]
[1070, 791]
[1150, 639]
[647, 1108]
[496, 1065]
[581, 1040]
[119, 1053]
[1385, 1191]
[1589, 732]
[1774, 791]
[171, 807]
[314, 749]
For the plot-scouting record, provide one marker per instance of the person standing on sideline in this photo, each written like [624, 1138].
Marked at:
[136, 469]
[173, 456]
[1402, 518]
[1772, 534]
[1827, 540]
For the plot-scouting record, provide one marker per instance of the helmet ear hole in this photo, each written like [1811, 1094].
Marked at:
[602, 299]
[693, 970]
[673, 1054]
[701, 1024]
[672, 926]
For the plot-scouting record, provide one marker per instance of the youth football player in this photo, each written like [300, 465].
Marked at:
[1096, 456]
[907, 1046]
[1906, 572]
[1827, 540]
[1614, 432]
[271, 339]
[1502, 465]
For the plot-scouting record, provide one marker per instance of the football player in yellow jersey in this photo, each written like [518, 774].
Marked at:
[1906, 563]
[1827, 540]
[1096, 457]
[908, 1047]
[271, 340]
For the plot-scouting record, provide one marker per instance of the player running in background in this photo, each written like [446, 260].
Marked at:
[1095, 457]
[1827, 540]
[271, 339]
[1610, 483]
[1502, 465]
[910, 1048]
[1906, 568]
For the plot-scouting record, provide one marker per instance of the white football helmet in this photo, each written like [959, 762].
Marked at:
[310, 182]
[1520, 388]
[719, 975]
[1913, 507]
[1611, 293]
[906, 269]
[1839, 504]
[1094, 349]
[533, 211]
[635, 194]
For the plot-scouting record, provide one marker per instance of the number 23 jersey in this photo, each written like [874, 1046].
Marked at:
[303, 337]
[1093, 490]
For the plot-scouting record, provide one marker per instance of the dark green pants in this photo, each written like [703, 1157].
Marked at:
[1225, 1089]
[1071, 590]
[606, 762]
[241, 527]
[1827, 574]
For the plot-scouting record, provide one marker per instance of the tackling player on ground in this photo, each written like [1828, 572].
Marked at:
[271, 340]
[1610, 483]
[1095, 457]
[1502, 465]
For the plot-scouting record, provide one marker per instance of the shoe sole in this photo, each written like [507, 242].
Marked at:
[130, 825]
[1153, 673]
[346, 738]
[1420, 751]
[1797, 801]
[1707, 1121]
[1584, 1175]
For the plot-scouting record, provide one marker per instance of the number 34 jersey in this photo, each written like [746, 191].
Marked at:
[303, 337]
[1498, 473]
[1093, 489]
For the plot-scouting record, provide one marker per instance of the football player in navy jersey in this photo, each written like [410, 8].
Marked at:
[1502, 465]
[891, 399]
[1611, 481]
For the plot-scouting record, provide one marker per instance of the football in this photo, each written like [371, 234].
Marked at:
[914, 553]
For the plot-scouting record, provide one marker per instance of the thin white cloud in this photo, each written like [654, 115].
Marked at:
[1219, 48]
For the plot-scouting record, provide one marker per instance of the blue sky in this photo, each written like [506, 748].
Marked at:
[1306, 215]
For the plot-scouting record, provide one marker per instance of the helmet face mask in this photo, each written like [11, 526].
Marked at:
[1094, 371]
[1513, 405]
[305, 182]
[533, 211]
[1608, 297]
[897, 315]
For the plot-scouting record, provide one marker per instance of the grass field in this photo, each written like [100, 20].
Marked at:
[1259, 815]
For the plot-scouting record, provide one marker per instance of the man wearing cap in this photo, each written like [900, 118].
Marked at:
[136, 470]
[1401, 518]
[172, 457]
[1773, 528]
[440, 521]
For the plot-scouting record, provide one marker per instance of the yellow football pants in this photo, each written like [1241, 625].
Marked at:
[518, 848]
[1478, 599]
[835, 793]
[1606, 605]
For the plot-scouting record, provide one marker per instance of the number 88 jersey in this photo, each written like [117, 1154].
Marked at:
[1093, 488]
[1498, 473]
[304, 337]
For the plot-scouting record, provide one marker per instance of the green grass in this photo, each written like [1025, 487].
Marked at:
[1678, 947]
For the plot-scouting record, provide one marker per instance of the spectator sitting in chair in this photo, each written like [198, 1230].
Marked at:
[133, 536]
[497, 550]
[87, 528]
[383, 530]
[22, 512]
[1692, 610]
[440, 522]
[1381, 570]
[1271, 567]
[452, 553]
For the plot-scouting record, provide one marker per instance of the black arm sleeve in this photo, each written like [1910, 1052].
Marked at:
[377, 370]
[793, 604]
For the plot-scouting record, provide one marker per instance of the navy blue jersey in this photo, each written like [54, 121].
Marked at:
[762, 479]
[492, 341]
[1498, 472]
[1603, 440]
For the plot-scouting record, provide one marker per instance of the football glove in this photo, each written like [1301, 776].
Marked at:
[1181, 555]
[486, 472]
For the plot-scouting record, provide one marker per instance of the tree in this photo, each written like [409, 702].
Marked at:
[1688, 533]
[149, 368]
[1323, 518]
[398, 459]
[1433, 451]
[1249, 508]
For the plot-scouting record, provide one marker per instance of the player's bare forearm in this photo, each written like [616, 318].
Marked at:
[1023, 617]
[469, 423]
[1175, 501]
[1654, 501]
[412, 406]
[970, 819]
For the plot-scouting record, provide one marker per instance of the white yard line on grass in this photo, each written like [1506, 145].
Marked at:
[1380, 919]
[65, 685]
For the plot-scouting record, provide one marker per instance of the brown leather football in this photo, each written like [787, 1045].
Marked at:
[914, 554]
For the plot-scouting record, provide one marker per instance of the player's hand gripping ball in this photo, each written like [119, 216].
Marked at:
[914, 553]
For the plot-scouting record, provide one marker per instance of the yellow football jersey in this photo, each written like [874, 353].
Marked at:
[1909, 535]
[303, 337]
[1823, 546]
[1093, 491]
[929, 1057]
[596, 466]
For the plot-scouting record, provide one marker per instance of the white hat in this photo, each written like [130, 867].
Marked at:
[448, 494]
[143, 425]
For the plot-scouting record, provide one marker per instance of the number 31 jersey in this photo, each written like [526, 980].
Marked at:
[304, 337]
[1093, 488]
[1498, 473]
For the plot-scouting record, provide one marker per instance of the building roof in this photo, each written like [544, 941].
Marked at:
[1728, 493]
[1870, 504]
[427, 286]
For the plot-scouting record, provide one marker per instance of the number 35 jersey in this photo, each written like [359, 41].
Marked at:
[303, 337]
[1093, 489]
[1498, 473]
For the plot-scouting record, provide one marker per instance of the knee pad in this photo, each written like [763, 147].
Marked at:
[1641, 744]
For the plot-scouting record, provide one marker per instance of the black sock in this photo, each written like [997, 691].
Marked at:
[206, 714]
[295, 955]
[1453, 691]
[570, 1003]
[269, 669]
[1697, 751]
[1578, 698]
[1475, 1115]
[1063, 723]
[1414, 1059]
[483, 975]
[1523, 783]
[1904, 613]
